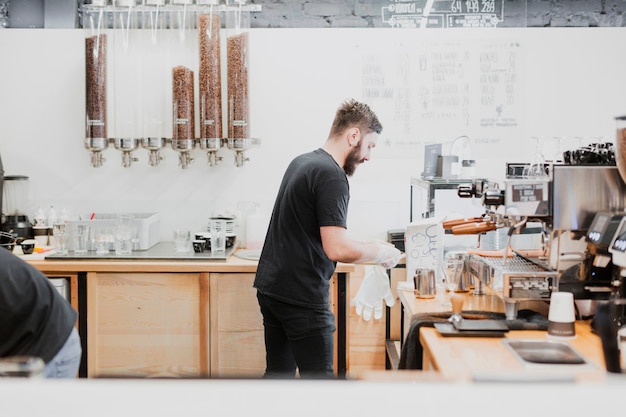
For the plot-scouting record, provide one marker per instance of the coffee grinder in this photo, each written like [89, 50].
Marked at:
[15, 195]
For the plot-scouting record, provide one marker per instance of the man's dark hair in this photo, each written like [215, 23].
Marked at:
[352, 113]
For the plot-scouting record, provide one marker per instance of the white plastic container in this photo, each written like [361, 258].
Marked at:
[147, 228]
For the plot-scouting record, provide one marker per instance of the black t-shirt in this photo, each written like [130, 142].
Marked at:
[293, 266]
[35, 320]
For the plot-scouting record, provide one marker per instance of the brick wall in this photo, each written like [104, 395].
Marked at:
[368, 13]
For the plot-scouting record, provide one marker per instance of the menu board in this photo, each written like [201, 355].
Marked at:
[443, 13]
[437, 90]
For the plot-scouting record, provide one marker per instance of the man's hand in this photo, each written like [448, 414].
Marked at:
[373, 291]
[388, 255]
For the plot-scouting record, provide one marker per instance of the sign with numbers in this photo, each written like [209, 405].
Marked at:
[443, 13]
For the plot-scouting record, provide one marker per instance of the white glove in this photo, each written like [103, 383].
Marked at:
[388, 255]
[373, 290]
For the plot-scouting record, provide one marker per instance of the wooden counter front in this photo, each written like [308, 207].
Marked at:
[152, 318]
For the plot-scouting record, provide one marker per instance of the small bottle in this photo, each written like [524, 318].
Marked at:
[40, 218]
[51, 219]
[64, 216]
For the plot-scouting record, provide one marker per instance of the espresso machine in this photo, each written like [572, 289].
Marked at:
[597, 276]
[579, 208]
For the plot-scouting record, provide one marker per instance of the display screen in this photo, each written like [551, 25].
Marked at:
[598, 227]
[524, 193]
[620, 243]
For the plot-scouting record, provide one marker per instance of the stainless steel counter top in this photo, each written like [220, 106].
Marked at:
[160, 251]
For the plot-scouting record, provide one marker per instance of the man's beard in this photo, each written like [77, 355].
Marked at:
[352, 160]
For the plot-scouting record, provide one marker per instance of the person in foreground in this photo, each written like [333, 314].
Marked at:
[35, 320]
[306, 237]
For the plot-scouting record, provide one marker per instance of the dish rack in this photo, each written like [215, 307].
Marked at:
[516, 279]
[520, 278]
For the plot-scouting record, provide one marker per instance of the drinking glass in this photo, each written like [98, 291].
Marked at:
[218, 236]
[454, 271]
[124, 234]
[182, 240]
[80, 238]
[104, 238]
[60, 238]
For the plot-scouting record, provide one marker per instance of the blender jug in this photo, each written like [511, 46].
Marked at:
[1, 193]
[15, 194]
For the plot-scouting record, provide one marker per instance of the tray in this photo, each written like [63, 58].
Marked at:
[545, 352]
[481, 325]
[447, 329]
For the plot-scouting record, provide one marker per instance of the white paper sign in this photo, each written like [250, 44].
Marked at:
[424, 246]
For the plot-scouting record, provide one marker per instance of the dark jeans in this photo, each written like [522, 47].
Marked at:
[297, 337]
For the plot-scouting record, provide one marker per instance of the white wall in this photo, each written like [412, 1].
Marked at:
[572, 86]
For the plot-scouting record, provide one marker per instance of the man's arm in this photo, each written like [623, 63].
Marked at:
[341, 248]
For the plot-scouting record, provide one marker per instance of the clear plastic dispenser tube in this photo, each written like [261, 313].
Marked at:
[128, 69]
[209, 73]
[237, 27]
[184, 57]
[95, 74]
[155, 105]
[620, 146]
[183, 103]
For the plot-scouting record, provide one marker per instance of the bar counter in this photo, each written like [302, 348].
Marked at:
[477, 358]
[164, 316]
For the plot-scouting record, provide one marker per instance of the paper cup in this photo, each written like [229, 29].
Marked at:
[562, 316]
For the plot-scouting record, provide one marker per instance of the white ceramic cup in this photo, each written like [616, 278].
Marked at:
[561, 316]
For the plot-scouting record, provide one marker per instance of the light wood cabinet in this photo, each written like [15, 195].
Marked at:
[147, 324]
[179, 319]
[174, 325]
[237, 344]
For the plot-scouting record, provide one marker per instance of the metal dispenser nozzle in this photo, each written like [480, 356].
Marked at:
[154, 145]
[96, 146]
[239, 146]
[127, 146]
[183, 147]
[212, 146]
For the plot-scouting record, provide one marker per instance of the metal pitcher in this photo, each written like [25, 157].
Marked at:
[425, 283]
[465, 283]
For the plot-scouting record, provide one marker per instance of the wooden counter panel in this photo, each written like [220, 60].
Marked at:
[144, 324]
[172, 318]
[237, 343]
[460, 358]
